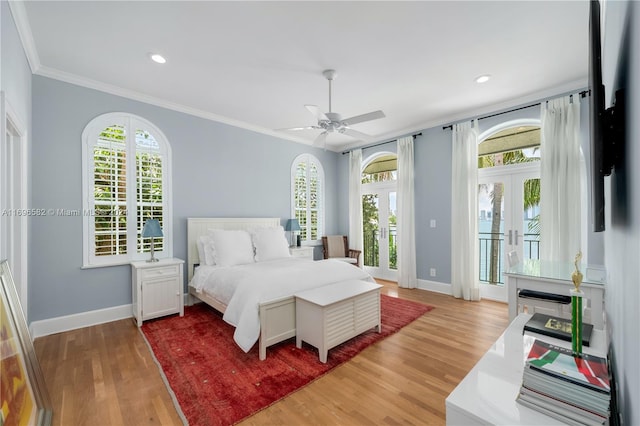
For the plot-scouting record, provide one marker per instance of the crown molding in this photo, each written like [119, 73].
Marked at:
[21, 20]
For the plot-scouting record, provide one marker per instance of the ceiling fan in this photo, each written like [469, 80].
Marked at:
[332, 122]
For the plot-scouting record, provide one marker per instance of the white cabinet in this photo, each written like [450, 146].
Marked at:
[157, 288]
[305, 252]
[329, 315]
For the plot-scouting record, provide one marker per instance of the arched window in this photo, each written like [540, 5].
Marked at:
[307, 196]
[126, 179]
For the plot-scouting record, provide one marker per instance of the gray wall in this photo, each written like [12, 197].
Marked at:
[218, 170]
[621, 68]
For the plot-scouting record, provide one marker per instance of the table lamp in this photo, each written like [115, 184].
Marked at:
[292, 226]
[152, 230]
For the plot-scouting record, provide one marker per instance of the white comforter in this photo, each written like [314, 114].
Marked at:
[244, 287]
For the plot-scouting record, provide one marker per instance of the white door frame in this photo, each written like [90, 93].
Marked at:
[512, 176]
[14, 197]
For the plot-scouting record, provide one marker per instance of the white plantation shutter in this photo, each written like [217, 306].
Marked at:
[110, 192]
[126, 180]
[308, 196]
[149, 188]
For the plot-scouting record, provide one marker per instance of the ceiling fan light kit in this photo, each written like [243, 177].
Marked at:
[332, 122]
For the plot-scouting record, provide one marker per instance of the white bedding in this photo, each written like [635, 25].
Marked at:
[243, 287]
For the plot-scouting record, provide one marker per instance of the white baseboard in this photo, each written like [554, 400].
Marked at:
[75, 321]
[435, 286]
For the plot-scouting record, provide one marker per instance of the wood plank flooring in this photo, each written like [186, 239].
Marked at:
[105, 374]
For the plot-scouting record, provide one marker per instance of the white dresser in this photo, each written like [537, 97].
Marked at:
[487, 395]
[157, 288]
[330, 315]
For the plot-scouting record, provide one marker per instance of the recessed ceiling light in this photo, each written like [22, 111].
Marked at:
[483, 78]
[155, 57]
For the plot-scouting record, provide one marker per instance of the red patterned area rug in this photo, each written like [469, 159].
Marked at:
[216, 383]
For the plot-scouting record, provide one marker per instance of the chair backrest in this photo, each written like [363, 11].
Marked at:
[335, 246]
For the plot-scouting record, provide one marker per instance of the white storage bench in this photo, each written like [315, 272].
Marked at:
[332, 314]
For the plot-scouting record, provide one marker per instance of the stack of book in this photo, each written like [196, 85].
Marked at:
[573, 389]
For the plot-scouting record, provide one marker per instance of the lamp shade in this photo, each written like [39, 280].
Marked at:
[292, 225]
[152, 229]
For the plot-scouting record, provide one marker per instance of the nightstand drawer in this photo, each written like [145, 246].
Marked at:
[160, 272]
[305, 252]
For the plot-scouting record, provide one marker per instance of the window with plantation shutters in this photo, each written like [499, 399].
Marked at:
[126, 167]
[307, 196]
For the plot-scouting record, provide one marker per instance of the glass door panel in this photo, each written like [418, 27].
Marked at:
[491, 230]
[379, 233]
[531, 219]
[371, 230]
[392, 263]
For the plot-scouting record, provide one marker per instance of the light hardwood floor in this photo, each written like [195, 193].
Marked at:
[105, 375]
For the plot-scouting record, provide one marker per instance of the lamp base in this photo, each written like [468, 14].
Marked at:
[153, 258]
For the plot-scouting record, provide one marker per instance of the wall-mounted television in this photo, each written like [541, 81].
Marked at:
[606, 124]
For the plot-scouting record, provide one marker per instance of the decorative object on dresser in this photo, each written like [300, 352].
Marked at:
[24, 398]
[157, 288]
[292, 226]
[487, 394]
[560, 328]
[217, 383]
[337, 247]
[152, 230]
[572, 388]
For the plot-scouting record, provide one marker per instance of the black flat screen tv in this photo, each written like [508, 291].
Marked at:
[607, 125]
[597, 113]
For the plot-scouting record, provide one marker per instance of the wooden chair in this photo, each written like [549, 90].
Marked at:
[337, 247]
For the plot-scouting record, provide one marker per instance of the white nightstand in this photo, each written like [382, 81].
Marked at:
[306, 252]
[157, 288]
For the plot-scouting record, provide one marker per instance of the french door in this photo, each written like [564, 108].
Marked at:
[379, 231]
[508, 221]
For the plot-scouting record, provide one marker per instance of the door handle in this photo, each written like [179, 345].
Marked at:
[510, 237]
[516, 237]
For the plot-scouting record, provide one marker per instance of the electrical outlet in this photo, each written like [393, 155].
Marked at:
[432, 272]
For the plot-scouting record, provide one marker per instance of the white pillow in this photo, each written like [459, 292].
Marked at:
[270, 243]
[205, 250]
[231, 247]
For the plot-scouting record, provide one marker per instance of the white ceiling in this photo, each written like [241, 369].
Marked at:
[256, 64]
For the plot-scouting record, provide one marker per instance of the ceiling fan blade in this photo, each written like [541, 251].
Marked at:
[357, 135]
[321, 140]
[299, 128]
[317, 112]
[364, 117]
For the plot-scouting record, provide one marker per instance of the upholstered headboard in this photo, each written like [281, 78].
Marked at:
[197, 226]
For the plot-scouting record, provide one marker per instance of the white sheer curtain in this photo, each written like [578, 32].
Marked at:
[560, 203]
[355, 200]
[464, 228]
[406, 243]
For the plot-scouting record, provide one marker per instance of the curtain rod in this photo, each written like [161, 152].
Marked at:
[582, 94]
[378, 144]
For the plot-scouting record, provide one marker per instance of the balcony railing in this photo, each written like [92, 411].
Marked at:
[371, 252]
[531, 246]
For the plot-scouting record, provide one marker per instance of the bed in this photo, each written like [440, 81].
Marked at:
[256, 297]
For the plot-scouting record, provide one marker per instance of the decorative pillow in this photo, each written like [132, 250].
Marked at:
[205, 250]
[231, 247]
[270, 243]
